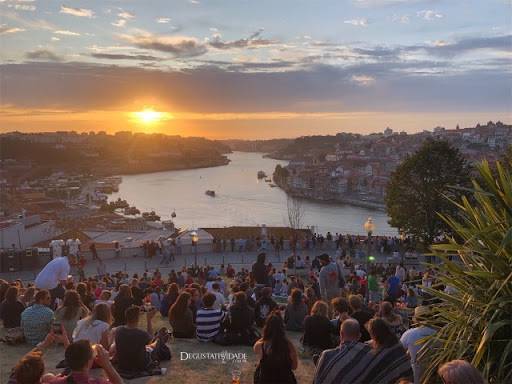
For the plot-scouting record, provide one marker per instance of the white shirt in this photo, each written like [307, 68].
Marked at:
[73, 247]
[92, 332]
[56, 246]
[411, 336]
[408, 340]
[219, 301]
[52, 273]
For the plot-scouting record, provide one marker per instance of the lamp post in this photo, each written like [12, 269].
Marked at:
[195, 238]
[369, 227]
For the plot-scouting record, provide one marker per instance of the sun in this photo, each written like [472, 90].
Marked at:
[149, 116]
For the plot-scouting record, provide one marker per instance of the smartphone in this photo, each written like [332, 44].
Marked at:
[56, 327]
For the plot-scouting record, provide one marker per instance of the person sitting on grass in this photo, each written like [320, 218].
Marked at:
[341, 310]
[71, 311]
[296, 311]
[181, 317]
[264, 306]
[80, 357]
[240, 321]
[390, 362]
[95, 327]
[317, 329]
[36, 320]
[208, 319]
[344, 364]
[277, 355]
[129, 348]
[122, 302]
[394, 320]
[11, 309]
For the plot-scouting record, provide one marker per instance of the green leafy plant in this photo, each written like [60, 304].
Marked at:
[474, 318]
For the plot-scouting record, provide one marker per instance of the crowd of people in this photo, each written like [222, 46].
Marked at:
[357, 324]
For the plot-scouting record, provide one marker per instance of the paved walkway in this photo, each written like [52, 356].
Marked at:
[237, 259]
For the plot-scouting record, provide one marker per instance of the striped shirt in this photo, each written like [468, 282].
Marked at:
[357, 363]
[36, 322]
[342, 365]
[208, 322]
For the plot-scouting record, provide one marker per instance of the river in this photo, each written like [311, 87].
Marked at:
[241, 199]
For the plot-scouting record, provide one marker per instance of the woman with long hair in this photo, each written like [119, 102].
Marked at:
[296, 311]
[181, 317]
[71, 310]
[122, 302]
[317, 329]
[277, 355]
[173, 291]
[85, 294]
[95, 327]
[11, 308]
[390, 362]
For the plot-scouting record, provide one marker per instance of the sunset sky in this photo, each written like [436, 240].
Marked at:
[254, 68]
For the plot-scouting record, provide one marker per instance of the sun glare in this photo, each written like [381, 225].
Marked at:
[149, 115]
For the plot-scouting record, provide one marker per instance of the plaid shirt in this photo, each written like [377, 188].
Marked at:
[36, 323]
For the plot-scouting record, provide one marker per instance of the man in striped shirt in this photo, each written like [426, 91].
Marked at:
[208, 318]
[347, 363]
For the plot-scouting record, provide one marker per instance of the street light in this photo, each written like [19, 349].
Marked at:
[369, 227]
[195, 238]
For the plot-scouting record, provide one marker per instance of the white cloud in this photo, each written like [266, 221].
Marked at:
[403, 19]
[363, 80]
[22, 7]
[79, 12]
[163, 20]
[362, 22]
[5, 30]
[194, 2]
[429, 14]
[55, 38]
[124, 16]
[66, 33]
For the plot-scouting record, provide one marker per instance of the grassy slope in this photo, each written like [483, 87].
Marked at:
[190, 371]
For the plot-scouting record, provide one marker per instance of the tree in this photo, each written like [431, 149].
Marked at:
[295, 212]
[295, 217]
[474, 318]
[419, 186]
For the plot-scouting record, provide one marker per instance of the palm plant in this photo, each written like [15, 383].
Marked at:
[474, 320]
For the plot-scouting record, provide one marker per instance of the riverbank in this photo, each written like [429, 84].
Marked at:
[152, 167]
[312, 196]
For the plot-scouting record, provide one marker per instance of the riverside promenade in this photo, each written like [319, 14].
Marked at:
[132, 260]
